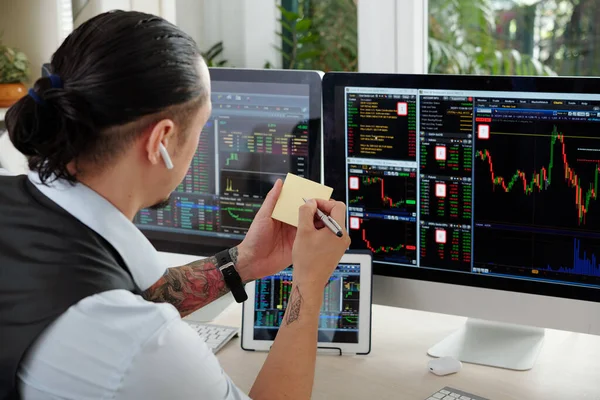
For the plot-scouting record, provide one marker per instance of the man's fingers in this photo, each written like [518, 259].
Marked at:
[306, 216]
[336, 209]
[318, 223]
[269, 204]
[325, 205]
[338, 212]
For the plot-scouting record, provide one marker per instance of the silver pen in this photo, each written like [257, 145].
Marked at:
[329, 222]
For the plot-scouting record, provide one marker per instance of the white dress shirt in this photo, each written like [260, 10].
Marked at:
[116, 345]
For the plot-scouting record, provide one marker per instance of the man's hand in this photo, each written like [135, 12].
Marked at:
[317, 251]
[267, 247]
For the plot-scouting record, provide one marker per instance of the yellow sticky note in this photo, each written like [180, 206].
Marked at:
[290, 200]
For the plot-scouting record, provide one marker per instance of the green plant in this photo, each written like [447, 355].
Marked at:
[336, 22]
[320, 35]
[299, 44]
[462, 41]
[212, 55]
[14, 65]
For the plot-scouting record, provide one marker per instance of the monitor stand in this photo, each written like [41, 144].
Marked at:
[494, 344]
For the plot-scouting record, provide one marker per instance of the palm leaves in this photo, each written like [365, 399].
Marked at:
[337, 24]
[301, 50]
[212, 55]
[322, 35]
[461, 41]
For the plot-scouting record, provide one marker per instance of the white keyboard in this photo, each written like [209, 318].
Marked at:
[449, 393]
[215, 336]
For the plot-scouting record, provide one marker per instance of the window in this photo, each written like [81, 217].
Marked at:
[514, 37]
[319, 34]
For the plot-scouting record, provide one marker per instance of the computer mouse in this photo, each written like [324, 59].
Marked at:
[444, 366]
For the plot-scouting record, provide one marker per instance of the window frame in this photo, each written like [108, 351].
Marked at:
[403, 21]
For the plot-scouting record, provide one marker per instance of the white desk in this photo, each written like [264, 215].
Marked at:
[568, 367]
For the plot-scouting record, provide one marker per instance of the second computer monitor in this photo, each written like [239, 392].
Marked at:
[264, 124]
[480, 181]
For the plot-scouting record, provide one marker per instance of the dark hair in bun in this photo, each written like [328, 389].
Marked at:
[117, 68]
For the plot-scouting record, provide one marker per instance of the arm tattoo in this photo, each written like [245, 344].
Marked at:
[294, 306]
[190, 286]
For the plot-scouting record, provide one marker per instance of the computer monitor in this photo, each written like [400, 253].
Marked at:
[264, 124]
[458, 184]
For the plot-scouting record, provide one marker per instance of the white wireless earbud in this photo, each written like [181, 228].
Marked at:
[165, 156]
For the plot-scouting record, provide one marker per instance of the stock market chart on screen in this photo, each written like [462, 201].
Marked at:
[338, 320]
[257, 133]
[496, 183]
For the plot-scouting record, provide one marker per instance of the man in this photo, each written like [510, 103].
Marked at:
[86, 310]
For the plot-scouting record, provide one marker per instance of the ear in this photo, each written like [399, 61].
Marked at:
[161, 133]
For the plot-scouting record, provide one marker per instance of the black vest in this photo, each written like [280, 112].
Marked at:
[49, 261]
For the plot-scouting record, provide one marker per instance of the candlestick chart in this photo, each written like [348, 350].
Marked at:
[546, 179]
[388, 240]
[386, 192]
[536, 200]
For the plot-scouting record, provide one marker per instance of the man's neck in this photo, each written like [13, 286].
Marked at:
[118, 188]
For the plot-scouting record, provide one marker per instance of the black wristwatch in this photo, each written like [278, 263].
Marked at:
[231, 276]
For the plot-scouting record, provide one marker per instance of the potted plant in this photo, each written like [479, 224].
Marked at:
[14, 71]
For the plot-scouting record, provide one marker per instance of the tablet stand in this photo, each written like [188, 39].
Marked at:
[330, 348]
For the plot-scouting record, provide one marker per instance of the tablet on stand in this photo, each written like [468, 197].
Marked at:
[345, 320]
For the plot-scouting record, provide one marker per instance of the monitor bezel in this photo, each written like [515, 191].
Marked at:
[202, 245]
[334, 161]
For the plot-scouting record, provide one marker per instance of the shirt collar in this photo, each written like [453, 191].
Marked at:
[105, 219]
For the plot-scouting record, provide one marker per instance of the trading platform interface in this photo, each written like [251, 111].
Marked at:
[257, 133]
[338, 321]
[496, 183]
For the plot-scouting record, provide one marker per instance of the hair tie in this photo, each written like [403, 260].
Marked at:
[36, 98]
[55, 81]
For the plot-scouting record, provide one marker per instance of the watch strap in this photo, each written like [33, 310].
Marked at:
[231, 276]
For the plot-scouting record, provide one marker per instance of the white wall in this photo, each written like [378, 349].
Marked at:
[36, 27]
[163, 8]
[246, 27]
[190, 18]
